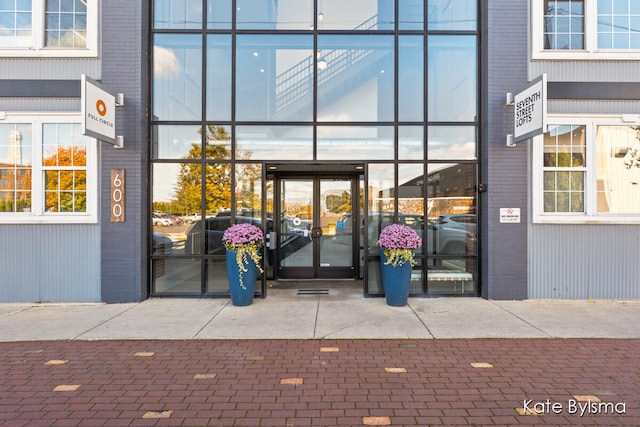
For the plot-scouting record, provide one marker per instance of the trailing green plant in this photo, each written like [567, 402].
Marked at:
[245, 240]
[398, 242]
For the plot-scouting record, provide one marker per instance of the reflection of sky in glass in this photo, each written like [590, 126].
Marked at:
[355, 14]
[176, 142]
[260, 14]
[452, 142]
[410, 142]
[354, 143]
[165, 177]
[452, 15]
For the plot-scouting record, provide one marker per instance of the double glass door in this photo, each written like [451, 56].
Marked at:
[316, 234]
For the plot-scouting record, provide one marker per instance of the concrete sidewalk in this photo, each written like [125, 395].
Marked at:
[343, 314]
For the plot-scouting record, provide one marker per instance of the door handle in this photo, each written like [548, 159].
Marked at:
[316, 232]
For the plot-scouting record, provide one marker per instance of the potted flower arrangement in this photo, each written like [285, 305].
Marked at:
[397, 243]
[243, 243]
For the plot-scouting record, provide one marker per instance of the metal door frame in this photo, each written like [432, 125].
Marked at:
[316, 272]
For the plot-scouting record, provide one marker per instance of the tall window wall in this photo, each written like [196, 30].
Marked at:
[239, 84]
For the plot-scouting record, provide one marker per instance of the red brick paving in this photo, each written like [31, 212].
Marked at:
[238, 383]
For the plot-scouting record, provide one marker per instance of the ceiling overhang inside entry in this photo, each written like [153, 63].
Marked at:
[316, 167]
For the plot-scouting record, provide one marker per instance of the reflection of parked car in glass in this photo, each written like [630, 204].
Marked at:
[439, 240]
[162, 245]
[214, 229]
[463, 221]
[191, 218]
[157, 219]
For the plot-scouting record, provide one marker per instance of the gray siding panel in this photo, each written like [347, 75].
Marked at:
[40, 104]
[49, 68]
[584, 261]
[49, 263]
[586, 71]
[592, 107]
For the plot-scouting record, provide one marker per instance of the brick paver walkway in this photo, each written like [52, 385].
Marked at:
[320, 382]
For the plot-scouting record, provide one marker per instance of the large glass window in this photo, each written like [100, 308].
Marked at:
[218, 77]
[274, 142]
[381, 203]
[16, 152]
[362, 15]
[245, 90]
[177, 14]
[218, 14]
[452, 15]
[269, 15]
[411, 142]
[355, 143]
[564, 166]
[48, 28]
[48, 171]
[618, 169]
[410, 78]
[411, 14]
[452, 87]
[66, 24]
[587, 171]
[176, 142]
[618, 24]
[274, 77]
[355, 78]
[452, 143]
[16, 23]
[564, 24]
[177, 77]
[451, 239]
[64, 164]
[585, 29]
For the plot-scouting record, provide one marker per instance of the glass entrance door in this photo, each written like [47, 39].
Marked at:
[316, 238]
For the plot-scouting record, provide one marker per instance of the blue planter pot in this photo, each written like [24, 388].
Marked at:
[395, 281]
[240, 296]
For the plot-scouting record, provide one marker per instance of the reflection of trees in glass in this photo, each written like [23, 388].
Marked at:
[15, 189]
[339, 203]
[632, 158]
[66, 190]
[217, 181]
[248, 187]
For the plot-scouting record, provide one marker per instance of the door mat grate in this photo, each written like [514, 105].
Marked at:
[313, 291]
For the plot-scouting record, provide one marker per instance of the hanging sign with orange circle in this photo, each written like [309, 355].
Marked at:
[98, 111]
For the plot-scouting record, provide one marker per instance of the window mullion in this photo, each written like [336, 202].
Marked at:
[37, 24]
[591, 190]
[591, 25]
[37, 177]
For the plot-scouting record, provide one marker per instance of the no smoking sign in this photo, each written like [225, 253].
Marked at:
[510, 215]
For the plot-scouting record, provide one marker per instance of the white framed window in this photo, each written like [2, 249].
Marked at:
[587, 170]
[585, 29]
[48, 170]
[49, 28]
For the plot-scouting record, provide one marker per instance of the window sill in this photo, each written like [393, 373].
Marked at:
[48, 53]
[49, 219]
